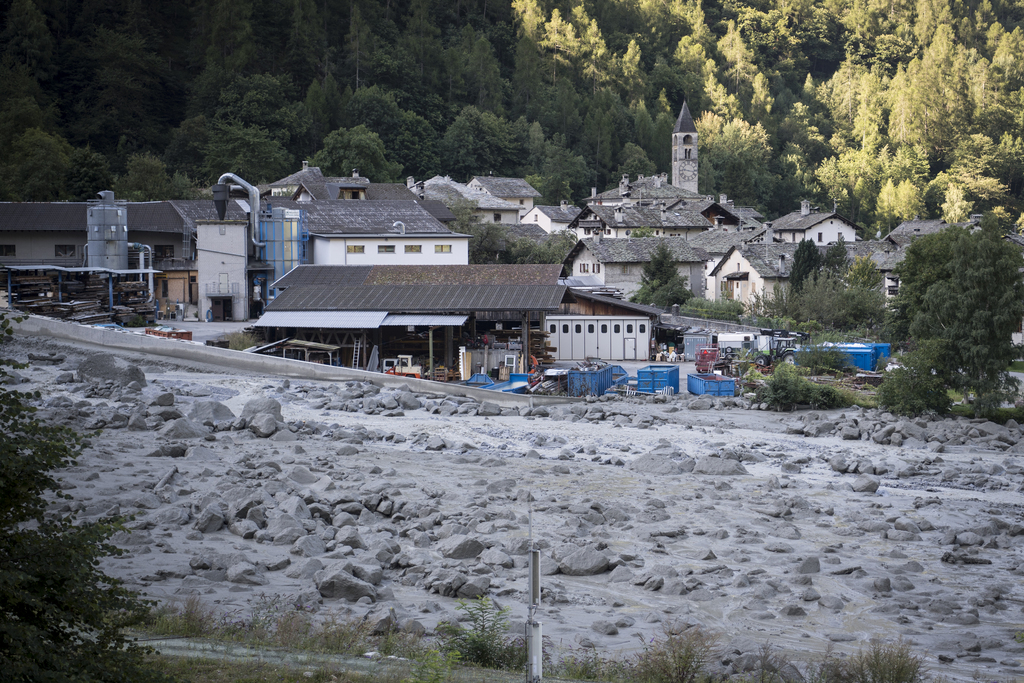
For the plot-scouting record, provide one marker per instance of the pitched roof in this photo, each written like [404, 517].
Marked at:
[640, 250]
[506, 187]
[684, 124]
[437, 209]
[559, 215]
[649, 187]
[628, 305]
[450, 192]
[527, 230]
[764, 258]
[378, 191]
[73, 216]
[797, 220]
[649, 217]
[312, 175]
[420, 298]
[721, 240]
[331, 276]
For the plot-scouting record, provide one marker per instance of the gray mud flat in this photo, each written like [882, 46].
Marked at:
[804, 530]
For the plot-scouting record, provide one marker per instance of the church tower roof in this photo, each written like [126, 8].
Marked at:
[684, 124]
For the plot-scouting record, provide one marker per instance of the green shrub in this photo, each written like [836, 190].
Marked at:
[136, 321]
[712, 310]
[786, 388]
[884, 663]
[484, 643]
[678, 658]
[819, 358]
[914, 387]
[240, 341]
[433, 667]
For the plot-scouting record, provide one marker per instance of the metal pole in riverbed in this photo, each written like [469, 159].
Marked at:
[534, 638]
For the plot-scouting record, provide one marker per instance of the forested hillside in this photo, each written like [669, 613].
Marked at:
[889, 107]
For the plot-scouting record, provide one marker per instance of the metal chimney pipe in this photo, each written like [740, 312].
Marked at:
[254, 205]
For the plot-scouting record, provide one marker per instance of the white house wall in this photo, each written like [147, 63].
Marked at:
[334, 251]
[826, 232]
[577, 337]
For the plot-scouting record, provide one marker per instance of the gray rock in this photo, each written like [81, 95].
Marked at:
[104, 367]
[183, 428]
[496, 557]
[246, 574]
[304, 570]
[309, 546]
[214, 411]
[811, 565]
[210, 519]
[336, 583]
[285, 529]
[301, 475]
[718, 467]
[263, 425]
[605, 628]
[460, 547]
[583, 562]
[475, 587]
[654, 463]
[164, 399]
[488, 409]
[408, 401]
[866, 483]
[243, 527]
[257, 406]
[350, 537]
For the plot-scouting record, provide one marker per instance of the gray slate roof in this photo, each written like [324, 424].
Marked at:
[764, 258]
[437, 209]
[798, 221]
[450, 192]
[558, 214]
[419, 298]
[313, 175]
[649, 217]
[528, 230]
[717, 242]
[650, 187]
[506, 187]
[332, 276]
[684, 124]
[379, 191]
[640, 250]
[72, 216]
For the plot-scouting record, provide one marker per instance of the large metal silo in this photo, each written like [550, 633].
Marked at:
[108, 233]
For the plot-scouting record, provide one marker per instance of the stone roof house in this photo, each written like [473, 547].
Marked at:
[552, 218]
[750, 269]
[615, 222]
[488, 208]
[821, 227]
[643, 190]
[515, 190]
[619, 263]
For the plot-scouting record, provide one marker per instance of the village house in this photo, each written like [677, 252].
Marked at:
[486, 207]
[552, 218]
[820, 227]
[514, 190]
[619, 222]
[751, 269]
[620, 263]
[719, 241]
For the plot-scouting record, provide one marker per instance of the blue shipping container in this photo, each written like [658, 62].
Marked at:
[591, 382]
[711, 385]
[654, 378]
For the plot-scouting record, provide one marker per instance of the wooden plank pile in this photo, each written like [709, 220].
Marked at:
[86, 298]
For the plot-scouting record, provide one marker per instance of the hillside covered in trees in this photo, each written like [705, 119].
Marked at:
[889, 107]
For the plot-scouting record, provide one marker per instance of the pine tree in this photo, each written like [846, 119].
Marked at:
[806, 264]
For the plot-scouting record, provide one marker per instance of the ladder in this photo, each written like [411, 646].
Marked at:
[355, 352]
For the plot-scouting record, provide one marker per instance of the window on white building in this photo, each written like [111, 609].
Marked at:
[442, 248]
[385, 249]
[413, 249]
[356, 249]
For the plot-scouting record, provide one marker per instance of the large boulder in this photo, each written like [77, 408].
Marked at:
[103, 367]
[257, 406]
[866, 483]
[336, 583]
[182, 428]
[583, 562]
[460, 547]
[214, 411]
[263, 425]
[719, 467]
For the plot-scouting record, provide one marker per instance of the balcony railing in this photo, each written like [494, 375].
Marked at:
[174, 264]
[222, 288]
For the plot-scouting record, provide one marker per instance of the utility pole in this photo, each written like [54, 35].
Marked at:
[534, 639]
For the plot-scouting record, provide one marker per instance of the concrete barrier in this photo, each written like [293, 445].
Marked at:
[37, 326]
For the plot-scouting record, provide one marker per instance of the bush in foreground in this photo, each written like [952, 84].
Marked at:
[916, 386]
[787, 388]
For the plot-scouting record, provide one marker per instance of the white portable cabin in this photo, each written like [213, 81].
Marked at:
[577, 337]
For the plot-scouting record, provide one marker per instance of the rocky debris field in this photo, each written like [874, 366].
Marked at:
[800, 530]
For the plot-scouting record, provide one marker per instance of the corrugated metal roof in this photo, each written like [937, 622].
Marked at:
[403, 319]
[342, 320]
[421, 298]
[351, 276]
[323, 276]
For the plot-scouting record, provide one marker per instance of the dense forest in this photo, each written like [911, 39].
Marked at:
[890, 108]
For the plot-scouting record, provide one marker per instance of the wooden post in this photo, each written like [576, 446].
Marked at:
[526, 341]
[430, 352]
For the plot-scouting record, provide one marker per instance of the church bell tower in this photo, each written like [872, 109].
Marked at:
[684, 151]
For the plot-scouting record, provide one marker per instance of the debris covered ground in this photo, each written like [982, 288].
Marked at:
[800, 529]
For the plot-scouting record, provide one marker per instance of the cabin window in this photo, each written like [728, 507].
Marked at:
[579, 328]
[565, 329]
[604, 328]
[553, 328]
[597, 267]
[413, 248]
[590, 329]
[617, 329]
[643, 328]
[163, 251]
[64, 250]
[819, 237]
[385, 249]
[356, 249]
[7, 250]
[442, 248]
[497, 218]
[629, 329]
